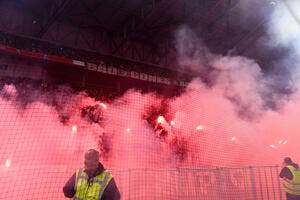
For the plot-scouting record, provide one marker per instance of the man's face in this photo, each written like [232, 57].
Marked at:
[90, 162]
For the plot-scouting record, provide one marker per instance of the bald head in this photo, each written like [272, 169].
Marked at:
[91, 160]
[92, 154]
[288, 160]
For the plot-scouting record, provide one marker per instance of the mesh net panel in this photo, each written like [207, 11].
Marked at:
[153, 151]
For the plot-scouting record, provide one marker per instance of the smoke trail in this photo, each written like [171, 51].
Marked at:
[223, 109]
[240, 78]
[202, 127]
[284, 28]
[285, 23]
[256, 99]
[193, 56]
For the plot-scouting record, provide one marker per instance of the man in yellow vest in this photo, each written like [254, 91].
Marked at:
[93, 182]
[290, 174]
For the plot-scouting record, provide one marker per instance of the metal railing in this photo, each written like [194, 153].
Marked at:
[241, 183]
[236, 183]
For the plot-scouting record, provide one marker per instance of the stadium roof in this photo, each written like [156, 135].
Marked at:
[142, 30]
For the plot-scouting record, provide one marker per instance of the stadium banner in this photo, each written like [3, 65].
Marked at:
[100, 67]
[78, 62]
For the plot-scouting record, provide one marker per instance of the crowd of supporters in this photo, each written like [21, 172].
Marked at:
[74, 78]
[24, 85]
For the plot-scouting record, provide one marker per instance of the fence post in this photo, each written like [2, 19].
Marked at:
[170, 184]
[278, 181]
[219, 183]
[196, 185]
[252, 179]
[179, 182]
[129, 183]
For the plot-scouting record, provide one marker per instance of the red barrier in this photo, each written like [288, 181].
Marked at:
[8, 49]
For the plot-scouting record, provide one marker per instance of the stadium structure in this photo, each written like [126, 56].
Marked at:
[184, 99]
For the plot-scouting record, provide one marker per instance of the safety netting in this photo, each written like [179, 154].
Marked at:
[155, 147]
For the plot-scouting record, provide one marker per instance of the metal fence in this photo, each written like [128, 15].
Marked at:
[248, 183]
[243, 183]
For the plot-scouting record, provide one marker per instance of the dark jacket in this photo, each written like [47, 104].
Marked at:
[111, 191]
[286, 173]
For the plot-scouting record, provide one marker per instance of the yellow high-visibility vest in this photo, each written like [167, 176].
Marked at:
[92, 190]
[292, 186]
